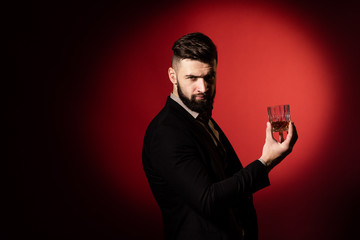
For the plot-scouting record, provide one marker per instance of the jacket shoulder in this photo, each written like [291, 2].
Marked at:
[171, 116]
[173, 125]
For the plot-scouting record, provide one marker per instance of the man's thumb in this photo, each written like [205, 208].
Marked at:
[268, 131]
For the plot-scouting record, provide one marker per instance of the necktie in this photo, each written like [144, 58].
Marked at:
[204, 119]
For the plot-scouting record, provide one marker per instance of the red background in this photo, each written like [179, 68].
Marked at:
[90, 77]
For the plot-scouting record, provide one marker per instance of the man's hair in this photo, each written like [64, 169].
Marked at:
[195, 46]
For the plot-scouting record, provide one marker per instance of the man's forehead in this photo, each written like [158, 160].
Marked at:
[196, 64]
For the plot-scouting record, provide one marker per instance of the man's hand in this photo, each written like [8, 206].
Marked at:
[274, 151]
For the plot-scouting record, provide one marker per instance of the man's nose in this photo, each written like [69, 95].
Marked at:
[201, 85]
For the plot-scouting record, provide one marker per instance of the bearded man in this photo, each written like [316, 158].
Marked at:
[201, 187]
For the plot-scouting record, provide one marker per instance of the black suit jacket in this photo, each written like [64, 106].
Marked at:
[202, 192]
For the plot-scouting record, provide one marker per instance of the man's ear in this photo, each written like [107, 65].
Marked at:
[172, 75]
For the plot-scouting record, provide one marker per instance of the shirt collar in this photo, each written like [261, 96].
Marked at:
[178, 100]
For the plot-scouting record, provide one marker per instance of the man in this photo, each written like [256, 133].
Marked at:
[201, 187]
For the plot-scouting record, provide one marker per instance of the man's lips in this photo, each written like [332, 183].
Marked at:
[200, 97]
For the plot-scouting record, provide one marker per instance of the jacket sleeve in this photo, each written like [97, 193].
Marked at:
[176, 159]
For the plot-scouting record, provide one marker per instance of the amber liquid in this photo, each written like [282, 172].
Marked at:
[280, 126]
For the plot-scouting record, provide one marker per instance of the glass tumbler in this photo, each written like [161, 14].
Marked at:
[279, 117]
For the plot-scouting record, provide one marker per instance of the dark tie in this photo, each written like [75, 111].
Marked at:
[204, 119]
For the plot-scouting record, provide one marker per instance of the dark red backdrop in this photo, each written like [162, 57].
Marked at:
[92, 76]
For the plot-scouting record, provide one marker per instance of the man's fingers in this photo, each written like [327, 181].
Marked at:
[292, 137]
[289, 134]
[281, 137]
[290, 131]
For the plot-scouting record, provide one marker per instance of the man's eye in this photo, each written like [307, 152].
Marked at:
[210, 79]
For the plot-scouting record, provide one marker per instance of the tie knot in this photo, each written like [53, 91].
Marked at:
[204, 117]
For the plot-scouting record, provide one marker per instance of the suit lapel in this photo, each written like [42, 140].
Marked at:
[211, 156]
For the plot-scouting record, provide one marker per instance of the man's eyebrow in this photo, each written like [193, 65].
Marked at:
[192, 75]
[212, 73]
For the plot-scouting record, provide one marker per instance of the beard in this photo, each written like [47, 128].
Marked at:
[200, 106]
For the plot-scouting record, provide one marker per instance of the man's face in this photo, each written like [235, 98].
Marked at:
[196, 84]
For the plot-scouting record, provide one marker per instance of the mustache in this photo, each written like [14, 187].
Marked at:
[204, 95]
